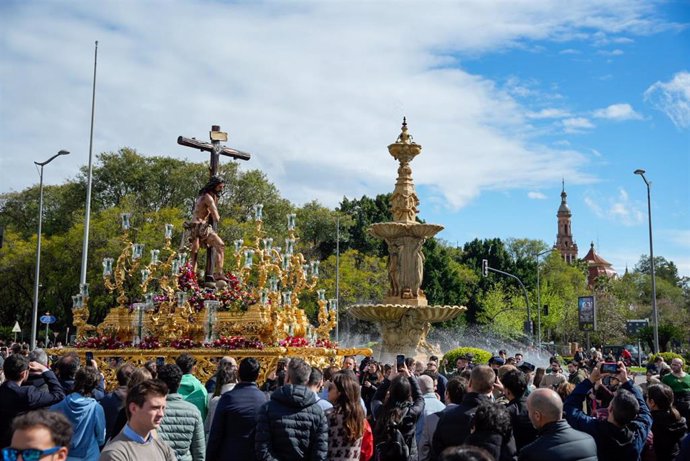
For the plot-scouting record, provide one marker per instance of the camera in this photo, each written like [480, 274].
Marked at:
[609, 367]
[400, 361]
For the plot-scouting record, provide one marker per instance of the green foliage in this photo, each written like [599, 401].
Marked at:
[481, 357]
[668, 356]
[667, 333]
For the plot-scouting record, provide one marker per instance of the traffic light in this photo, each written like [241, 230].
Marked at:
[545, 310]
[528, 327]
[485, 267]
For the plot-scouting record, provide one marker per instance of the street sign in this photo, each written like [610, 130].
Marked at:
[634, 326]
[16, 328]
[48, 319]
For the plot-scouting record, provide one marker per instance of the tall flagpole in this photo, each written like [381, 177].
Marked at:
[85, 248]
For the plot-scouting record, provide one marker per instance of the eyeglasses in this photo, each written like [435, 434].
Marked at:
[28, 454]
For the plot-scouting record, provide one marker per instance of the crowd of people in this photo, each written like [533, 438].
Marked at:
[506, 409]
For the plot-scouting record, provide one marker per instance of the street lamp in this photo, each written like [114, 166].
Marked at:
[34, 321]
[655, 311]
[539, 297]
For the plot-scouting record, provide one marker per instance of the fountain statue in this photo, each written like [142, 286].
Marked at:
[404, 317]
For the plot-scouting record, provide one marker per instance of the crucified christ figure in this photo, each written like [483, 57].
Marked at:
[201, 227]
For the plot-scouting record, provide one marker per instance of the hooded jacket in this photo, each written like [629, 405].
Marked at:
[88, 422]
[613, 443]
[291, 426]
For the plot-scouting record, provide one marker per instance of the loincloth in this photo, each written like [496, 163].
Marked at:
[199, 230]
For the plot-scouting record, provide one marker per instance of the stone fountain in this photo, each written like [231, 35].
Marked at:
[404, 317]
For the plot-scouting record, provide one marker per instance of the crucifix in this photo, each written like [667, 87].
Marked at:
[210, 220]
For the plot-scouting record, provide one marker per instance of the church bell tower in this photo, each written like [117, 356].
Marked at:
[564, 237]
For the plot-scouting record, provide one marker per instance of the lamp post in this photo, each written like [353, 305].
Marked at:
[655, 311]
[34, 320]
[337, 279]
[539, 297]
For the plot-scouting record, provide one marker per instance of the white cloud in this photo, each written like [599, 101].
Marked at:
[672, 98]
[570, 51]
[536, 195]
[616, 52]
[618, 112]
[617, 209]
[315, 90]
[548, 113]
[577, 124]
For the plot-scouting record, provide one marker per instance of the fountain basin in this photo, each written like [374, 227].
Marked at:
[391, 230]
[395, 312]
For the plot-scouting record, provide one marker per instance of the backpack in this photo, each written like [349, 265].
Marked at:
[394, 447]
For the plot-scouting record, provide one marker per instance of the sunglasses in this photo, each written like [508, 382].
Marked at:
[28, 454]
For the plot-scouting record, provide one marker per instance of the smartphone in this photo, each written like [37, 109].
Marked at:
[609, 367]
[400, 361]
[160, 361]
[89, 359]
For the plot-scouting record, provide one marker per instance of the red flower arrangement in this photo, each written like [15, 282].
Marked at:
[235, 342]
[327, 343]
[102, 342]
[233, 296]
[184, 343]
[149, 342]
[294, 341]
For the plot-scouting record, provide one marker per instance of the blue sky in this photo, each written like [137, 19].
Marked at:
[506, 98]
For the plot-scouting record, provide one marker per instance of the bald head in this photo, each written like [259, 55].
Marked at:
[544, 406]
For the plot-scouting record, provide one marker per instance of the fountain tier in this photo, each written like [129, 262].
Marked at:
[404, 317]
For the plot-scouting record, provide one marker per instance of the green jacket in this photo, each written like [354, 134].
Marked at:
[194, 392]
[183, 429]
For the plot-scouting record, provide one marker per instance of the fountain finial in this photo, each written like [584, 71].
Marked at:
[405, 137]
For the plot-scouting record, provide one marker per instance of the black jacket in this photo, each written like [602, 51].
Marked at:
[291, 426]
[613, 443]
[15, 399]
[523, 430]
[559, 441]
[501, 447]
[409, 421]
[454, 425]
[234, 424]
[667, 434]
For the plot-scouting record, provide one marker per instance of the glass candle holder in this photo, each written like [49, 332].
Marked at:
[181, 297]
[154, 256]
[145, 275]
[321, 294]
[238, 245]
[168, 231]
[292, 221]
[124, 220]
[107, 267]
[315, 268]
[84, 290]
[258, 211]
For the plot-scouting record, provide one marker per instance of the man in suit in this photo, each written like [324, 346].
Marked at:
[16, 399]
[234, 423]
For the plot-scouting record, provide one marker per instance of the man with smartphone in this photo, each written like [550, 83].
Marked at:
[623, 433]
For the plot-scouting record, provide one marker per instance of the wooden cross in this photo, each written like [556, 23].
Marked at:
[216, 150]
